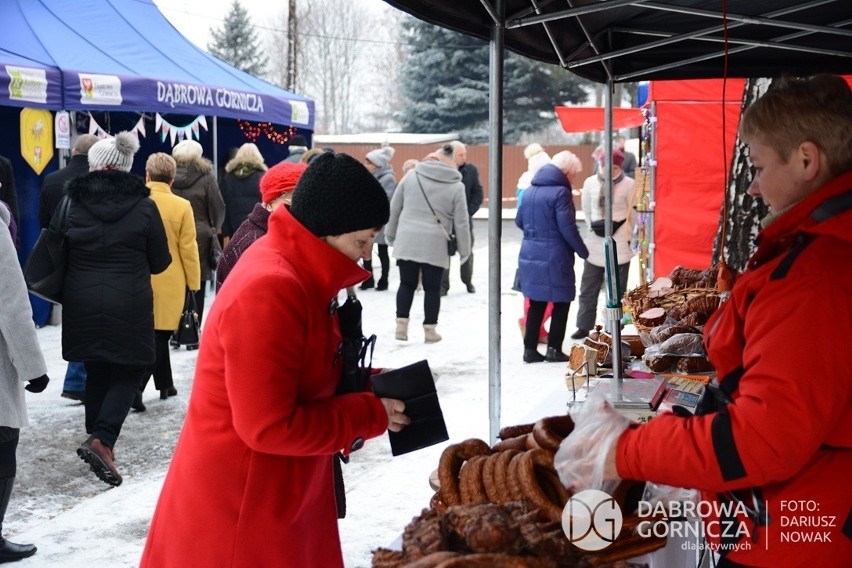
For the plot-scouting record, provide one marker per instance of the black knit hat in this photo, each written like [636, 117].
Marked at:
[337, 194]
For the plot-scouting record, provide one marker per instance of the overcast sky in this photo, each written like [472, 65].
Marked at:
[194, 18]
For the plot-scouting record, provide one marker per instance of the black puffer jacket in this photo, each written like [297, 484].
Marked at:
[116, 240]
[240, 191]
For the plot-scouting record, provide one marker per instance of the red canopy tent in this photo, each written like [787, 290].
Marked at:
[587, 119]
[691, 160]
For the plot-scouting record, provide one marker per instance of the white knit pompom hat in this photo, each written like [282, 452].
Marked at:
[114, 153]
[187, 151]
[381, 157]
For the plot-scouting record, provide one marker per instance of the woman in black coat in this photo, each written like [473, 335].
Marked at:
[241, 186]
[116, 241]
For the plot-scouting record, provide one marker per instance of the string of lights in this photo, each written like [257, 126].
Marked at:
[253, 131]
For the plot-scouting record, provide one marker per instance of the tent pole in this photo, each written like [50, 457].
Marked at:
[652, 163]
[608, 152]
[216, 145]
[495, 217]
[611, 272]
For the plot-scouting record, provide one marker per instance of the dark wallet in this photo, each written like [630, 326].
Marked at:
[414, 385]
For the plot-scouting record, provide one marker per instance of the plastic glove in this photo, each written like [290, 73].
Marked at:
[38, 385]
[656, 493]
[581, 460]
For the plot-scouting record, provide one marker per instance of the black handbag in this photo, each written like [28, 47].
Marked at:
[452, 243]
[355, 376]
[599, 227]
[188, 329]
[44, 271]
[215, 251]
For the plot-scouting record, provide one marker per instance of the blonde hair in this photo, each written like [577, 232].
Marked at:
[248, 153]
[567, 162]
[816, 109]
[309, 155]
[409, 165]
[161, 167]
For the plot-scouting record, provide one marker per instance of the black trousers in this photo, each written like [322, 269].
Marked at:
[162, 370]
[8, 447]
[110, 390]
[558, 323]
[466, 268]
[384, 258]
[409, 273]
[199, 299]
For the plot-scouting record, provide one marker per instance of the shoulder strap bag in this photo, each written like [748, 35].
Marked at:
[44, 271]
[452, 243]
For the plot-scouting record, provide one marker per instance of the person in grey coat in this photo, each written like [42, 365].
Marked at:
[21, 362]
[378, 162]
[420, 241]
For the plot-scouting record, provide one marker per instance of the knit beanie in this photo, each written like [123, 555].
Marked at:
[280, 179]
[114, 153]
[532, 149]
[187, 150]
[298, 140]
[337, 194]
[381, 157]
[537, 160]
[617, 157]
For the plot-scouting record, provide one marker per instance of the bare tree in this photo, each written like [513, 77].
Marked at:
[744, 212]
[332, 60]
[277, 47]
[344, 55]
[383, 88]
[292, 46]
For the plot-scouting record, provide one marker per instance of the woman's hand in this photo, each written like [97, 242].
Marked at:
[396, 419]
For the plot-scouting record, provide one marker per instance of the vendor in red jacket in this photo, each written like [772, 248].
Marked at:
[250, 483]
[778, 446]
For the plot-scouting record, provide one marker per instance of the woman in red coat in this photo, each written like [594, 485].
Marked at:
[250, 483]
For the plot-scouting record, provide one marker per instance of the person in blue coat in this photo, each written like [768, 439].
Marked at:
[546, 260]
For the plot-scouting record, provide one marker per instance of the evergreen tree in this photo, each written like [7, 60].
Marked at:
[445, 81]
[236, 42]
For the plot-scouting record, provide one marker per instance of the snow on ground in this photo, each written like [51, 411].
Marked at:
[79, 522]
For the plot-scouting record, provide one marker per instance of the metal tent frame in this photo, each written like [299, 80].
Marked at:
[610, 41]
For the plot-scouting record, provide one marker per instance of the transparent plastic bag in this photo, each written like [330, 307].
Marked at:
[680, 345]
[581, 458]
[656, 493]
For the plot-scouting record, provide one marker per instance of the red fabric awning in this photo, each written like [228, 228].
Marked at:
[588, 119]
[697, 90]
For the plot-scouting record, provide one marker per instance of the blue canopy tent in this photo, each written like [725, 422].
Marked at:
[121, 56]
[124, 55]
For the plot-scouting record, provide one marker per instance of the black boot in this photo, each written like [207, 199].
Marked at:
[9, 551]
[383, 281]
[532, 356]
[138, 405]
[555, 355]
[369, 282]
[580, 334]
